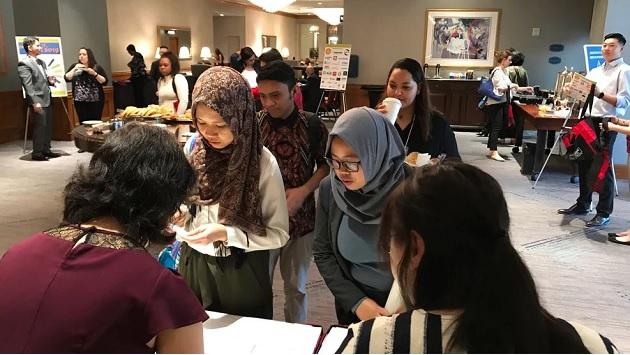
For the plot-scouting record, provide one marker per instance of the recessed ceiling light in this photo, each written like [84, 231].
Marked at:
[319, 3]
[221, 14]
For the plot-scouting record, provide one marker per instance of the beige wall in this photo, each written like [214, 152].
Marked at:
[228, 26]
[600, 7]
[136, 22]
[258, 23]
[389, 30]
[305, 40]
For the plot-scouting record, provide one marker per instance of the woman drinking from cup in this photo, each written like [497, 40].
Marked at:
[421, 128]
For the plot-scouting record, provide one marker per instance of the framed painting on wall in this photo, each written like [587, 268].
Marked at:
[461, 37]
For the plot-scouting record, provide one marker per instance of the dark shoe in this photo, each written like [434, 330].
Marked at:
[612, 237]
[39, 157]
[598, 221]
[573, 210]
[52, 154]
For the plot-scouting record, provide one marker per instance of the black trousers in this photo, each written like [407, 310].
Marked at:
[139, 87]
[495, 115]
[89, 111]
[42, 129]
[607, 193]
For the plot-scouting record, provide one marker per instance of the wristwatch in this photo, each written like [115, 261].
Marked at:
[601, 95]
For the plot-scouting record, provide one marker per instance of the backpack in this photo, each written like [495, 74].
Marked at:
[189, 90]
[587, 142]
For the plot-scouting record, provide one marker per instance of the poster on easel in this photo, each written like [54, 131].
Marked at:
[336, 64]
[52, 55]
[580, 87]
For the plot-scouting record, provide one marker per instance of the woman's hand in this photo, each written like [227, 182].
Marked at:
[205, 234]
[527, 89]
[90, 71]
[368, 309]
[381, 108]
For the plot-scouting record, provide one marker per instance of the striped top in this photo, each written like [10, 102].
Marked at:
[431, 335]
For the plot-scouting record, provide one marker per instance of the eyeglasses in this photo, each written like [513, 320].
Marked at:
[351, 166]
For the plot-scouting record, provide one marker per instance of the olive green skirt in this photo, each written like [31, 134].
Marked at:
[221, 287]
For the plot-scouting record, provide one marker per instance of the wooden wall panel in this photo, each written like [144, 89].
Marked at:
[13, 110]
[13, 114]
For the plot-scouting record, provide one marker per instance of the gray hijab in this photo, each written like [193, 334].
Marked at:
[379, 147]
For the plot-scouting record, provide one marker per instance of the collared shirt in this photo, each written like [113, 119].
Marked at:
[39, 64]
[613, 79]
[288, 140]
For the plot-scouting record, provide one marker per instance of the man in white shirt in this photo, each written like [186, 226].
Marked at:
[612, 98]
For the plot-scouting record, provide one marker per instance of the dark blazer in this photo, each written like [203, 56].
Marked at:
[35, 84]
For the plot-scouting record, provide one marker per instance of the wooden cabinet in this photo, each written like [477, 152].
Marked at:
[457, 100]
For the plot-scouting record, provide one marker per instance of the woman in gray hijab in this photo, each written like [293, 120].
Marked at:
[366, 155]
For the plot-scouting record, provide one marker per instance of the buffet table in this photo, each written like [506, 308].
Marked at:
[85, 139]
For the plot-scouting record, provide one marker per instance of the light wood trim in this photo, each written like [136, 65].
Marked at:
[622, 171]
[120, 75]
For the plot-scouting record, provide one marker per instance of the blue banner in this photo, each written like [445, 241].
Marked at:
[593, 56]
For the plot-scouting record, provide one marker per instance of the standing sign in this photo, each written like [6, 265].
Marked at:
[593, 56]
[53, 57]
[336, 64]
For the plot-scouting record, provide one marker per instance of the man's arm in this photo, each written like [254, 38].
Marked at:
[26, 76]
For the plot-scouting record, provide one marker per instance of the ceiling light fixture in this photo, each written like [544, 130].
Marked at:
[272, 5]
[329, 14]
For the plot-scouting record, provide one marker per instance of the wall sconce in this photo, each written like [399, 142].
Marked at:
[205, 53]
[284, 52]
[157, 53]
[184, 53]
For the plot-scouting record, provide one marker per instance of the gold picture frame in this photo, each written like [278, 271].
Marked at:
[461, 37]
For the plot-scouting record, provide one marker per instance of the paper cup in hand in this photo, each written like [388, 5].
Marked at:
[392, 106]
[423, 159]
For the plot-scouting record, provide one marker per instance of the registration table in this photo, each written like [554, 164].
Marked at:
[542, 123]
[85, 139]
[230, 334]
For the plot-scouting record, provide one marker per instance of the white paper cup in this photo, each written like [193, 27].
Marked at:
[423, 159]
[392, 106]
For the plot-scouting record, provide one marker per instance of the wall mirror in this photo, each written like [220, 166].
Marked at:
[269, 41]
[177, 39]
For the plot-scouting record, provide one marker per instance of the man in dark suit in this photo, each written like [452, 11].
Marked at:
[36, 84]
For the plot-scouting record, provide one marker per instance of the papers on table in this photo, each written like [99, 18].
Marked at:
[229, 334]
[333, 340]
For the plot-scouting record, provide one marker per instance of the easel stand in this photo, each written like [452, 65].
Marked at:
[564, 125]
[342, 95]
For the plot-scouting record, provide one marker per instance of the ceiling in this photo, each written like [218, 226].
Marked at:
[301, 7]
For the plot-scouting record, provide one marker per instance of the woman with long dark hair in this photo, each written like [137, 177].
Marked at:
[172, 87]
[90, 285]
[88, 79]
[466, 289]
[421, 128]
